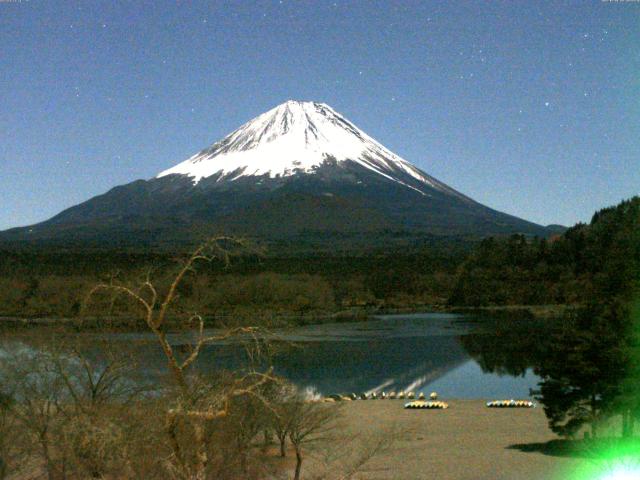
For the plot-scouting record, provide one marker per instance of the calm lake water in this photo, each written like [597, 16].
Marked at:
[459, 356]
[420, 352]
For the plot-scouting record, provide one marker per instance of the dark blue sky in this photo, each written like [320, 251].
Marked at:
[532, 108]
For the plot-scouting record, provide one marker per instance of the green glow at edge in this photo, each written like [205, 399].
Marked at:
[613, 458]
[618, 462]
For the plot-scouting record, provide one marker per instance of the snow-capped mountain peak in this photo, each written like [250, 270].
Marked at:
[299, 173]
[297, 137]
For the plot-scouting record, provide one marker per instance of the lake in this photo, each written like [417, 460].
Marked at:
[459, 356]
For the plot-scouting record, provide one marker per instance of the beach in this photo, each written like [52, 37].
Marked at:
[467, 441]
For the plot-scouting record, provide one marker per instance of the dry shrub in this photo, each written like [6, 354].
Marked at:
[95, 445]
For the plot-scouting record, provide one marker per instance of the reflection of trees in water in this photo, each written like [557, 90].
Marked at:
[587, 364]
[508, 347]
[591, 372]
[372, 364]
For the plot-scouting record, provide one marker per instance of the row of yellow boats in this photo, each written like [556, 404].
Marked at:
[511, 404]
[384, 396]
[421, 404]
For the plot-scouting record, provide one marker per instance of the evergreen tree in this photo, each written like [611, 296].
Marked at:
[582, 372]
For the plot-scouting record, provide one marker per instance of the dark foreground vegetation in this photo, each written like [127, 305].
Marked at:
[89, 414]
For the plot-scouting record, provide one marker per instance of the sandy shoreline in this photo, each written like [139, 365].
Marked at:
[468, 441]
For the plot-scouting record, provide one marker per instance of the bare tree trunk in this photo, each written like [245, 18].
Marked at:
[171, 430]
[266, 439]
[298, 464]
[283, 450]
[201, 453]
[46, 452]
[3, 469]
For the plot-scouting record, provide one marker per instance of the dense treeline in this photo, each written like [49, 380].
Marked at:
[590, 364]
[567, 269]
[592, 369]
[53, 283]
[516, 270]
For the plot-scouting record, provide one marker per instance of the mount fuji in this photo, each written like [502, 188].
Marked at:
[300, 171]
[298, 137]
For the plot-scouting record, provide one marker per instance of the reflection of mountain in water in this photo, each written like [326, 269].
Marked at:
[388, 353]
[372, 364]
[402, 352]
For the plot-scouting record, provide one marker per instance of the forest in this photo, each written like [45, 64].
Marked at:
[567, 269]
[46, 283]
[571, 268]
[590, 365]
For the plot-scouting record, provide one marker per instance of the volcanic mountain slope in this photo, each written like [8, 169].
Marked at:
[298, 170]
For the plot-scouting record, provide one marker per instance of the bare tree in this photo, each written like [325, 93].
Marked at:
[197, 405]
[284, 406]
[68, 403]
[309, 423]
[339, 463]
[37, 393]
[101, 385]
[8, 434]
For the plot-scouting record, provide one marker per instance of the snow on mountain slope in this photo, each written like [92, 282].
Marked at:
[298, 137]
